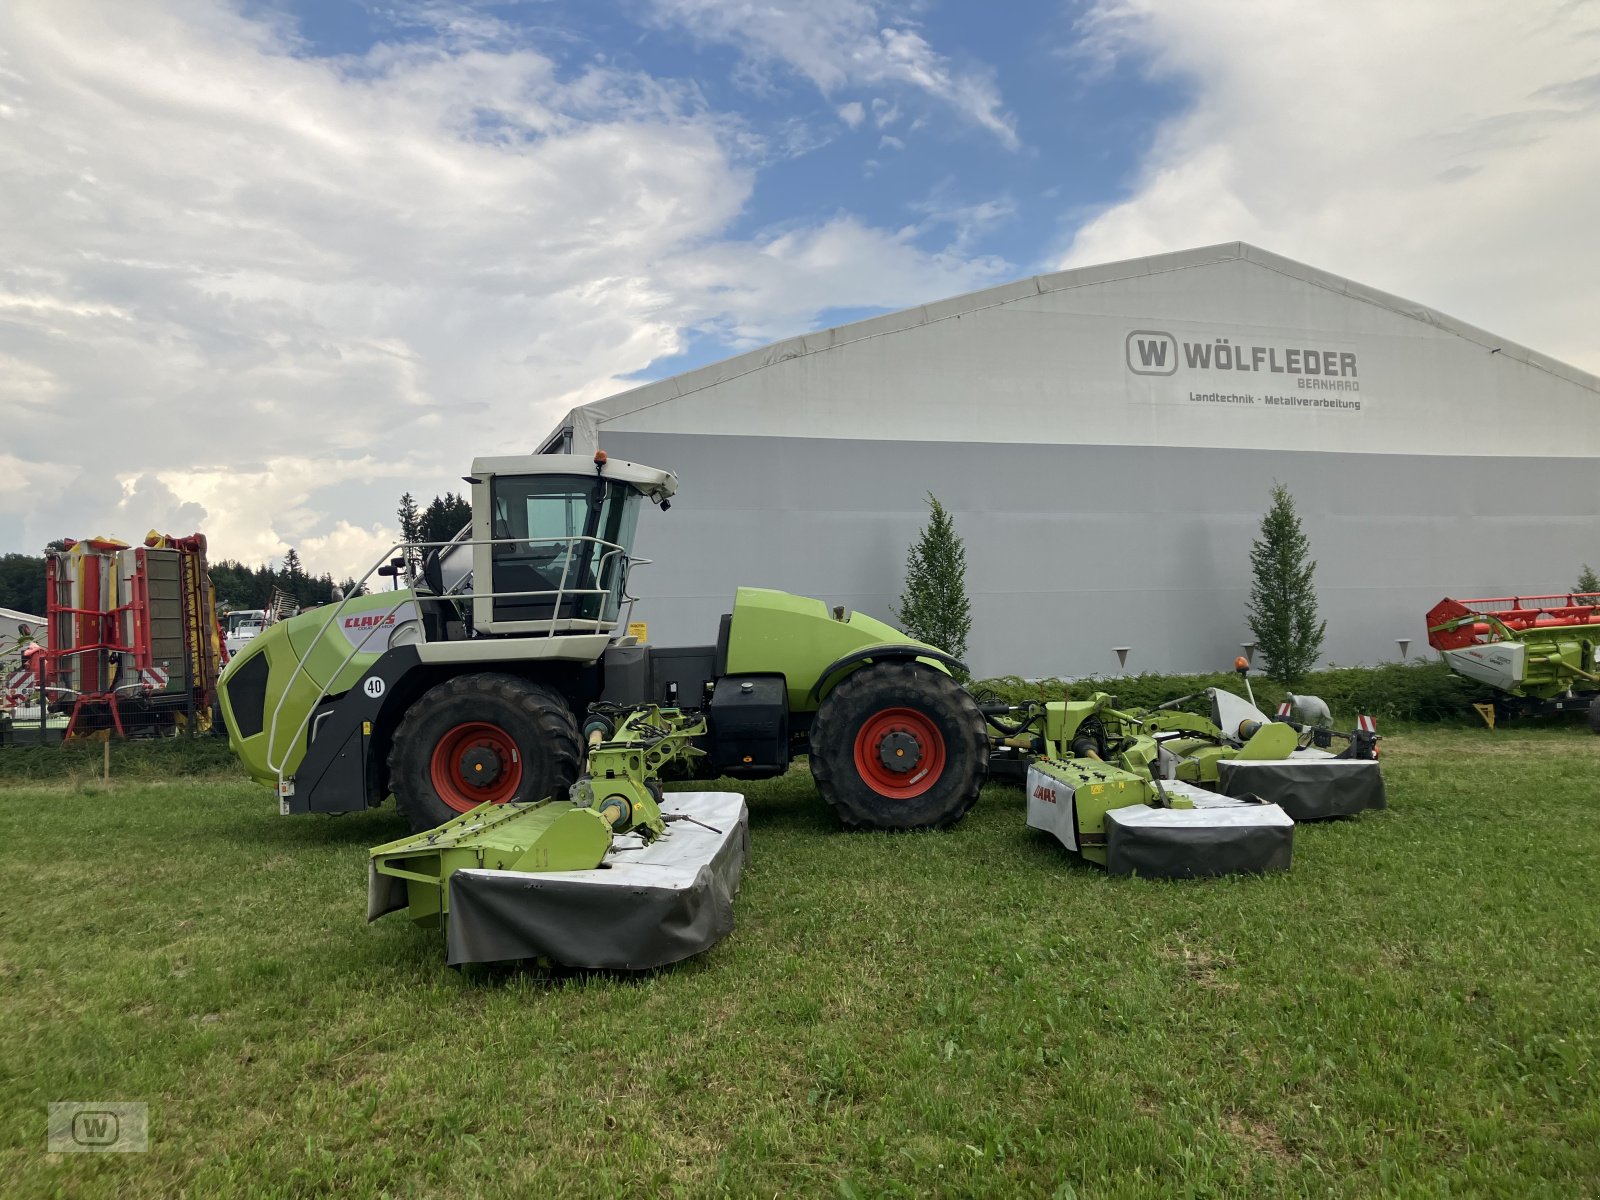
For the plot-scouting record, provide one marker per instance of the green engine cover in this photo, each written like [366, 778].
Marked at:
[776, 633]
[285, 669]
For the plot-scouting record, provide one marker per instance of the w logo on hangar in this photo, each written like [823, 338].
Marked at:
[1152, 352]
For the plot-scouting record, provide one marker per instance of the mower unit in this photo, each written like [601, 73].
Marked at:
[1091, 783]
[614, 875]
[1240, 751]
[1182, 832]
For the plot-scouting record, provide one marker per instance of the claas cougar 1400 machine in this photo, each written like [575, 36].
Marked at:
[524, 736]
[1538, 653]
[469, 689]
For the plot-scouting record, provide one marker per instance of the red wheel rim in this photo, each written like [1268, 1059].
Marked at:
[899, 753]
[475, 763]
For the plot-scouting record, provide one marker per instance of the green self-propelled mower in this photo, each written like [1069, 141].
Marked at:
[468, 688]
[479, 697]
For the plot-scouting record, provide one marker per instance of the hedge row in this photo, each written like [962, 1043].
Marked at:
[1416, 691]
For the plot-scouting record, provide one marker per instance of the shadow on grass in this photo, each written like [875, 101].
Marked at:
[1034, 848]
[545, 977]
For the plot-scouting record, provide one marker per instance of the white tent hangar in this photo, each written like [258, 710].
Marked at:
[1106, 439]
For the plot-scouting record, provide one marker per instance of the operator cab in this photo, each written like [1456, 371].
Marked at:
[551, 541]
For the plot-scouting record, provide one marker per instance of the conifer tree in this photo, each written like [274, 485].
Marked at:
[410, 529]
[934, 606]
[444, 517]
[22, 583]
[1588, 581]
[1283, 600]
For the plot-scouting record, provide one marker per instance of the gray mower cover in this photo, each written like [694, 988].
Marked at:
[1220, 835]
[1310, 785]
[646, 907]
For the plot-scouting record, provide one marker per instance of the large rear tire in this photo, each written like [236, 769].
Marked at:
[482, 738]
[1594, 714]
[899, 746]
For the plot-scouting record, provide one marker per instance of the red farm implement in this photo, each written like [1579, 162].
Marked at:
[1537, 652]
[133, 643]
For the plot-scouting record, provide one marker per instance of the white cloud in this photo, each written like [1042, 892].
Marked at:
[347, 543]
[22, 483]
[304, 499]
[845, 43]
[968, 221]
[1445, 151]
[852, 114]
[752, 293]
[264, 293]
[151, 503]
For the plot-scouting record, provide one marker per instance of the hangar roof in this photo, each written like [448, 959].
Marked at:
[1198, 299]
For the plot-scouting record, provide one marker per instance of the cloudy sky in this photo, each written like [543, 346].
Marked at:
[266, 264]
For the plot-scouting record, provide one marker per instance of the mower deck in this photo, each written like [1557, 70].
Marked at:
[1220, 835]
[1309, 785]
[644, 906]
[1107, 820]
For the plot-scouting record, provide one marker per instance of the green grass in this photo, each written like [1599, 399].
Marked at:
[81, 761]
[1415, 1009]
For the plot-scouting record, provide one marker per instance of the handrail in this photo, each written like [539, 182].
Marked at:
[560, 594]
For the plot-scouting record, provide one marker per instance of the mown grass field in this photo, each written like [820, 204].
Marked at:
[1414, 1010]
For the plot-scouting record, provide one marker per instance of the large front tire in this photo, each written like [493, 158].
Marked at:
[899, 746]
[482, 738]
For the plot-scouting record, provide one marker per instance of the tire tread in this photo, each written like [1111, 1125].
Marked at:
[833, 733]
[552, 717]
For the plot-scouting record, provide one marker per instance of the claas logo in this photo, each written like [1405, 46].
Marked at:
[369, 621]
[1048, 795]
